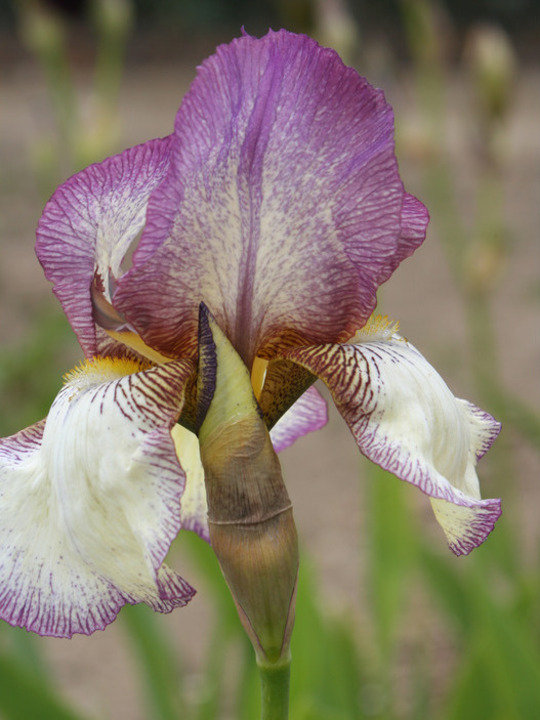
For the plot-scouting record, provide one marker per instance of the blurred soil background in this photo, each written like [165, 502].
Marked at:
[489, 180]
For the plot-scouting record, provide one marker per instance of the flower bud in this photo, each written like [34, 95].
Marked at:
[250, 516]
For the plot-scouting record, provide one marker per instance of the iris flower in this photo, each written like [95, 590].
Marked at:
[276, 206]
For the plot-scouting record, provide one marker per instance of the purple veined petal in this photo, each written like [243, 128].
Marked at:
[414, 221]
[277, 385]
[284, 209]
[88, 225]
[90, 501]
[309, 413]
[406, 420]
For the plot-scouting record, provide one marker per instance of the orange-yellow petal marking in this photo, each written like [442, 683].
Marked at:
[106, 368]
[378, 327]
[135, 342]
[258, 376]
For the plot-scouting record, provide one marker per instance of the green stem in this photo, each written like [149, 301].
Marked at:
[275, 690]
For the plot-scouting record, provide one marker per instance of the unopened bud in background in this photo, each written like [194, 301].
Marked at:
[492, 62]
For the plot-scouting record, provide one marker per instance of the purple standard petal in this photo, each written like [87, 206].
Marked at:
[414, 220]
[309, 413]
[90, 501]
[88, 225]
[406, 420]
[283, 210]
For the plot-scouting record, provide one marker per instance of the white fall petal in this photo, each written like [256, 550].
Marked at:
[89, 501]
[405, 419]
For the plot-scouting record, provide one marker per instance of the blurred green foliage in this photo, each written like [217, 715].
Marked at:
[206, 15]
[343, 669]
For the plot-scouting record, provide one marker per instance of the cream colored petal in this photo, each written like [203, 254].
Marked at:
[89, 501]
[405, 418]
[193, 510]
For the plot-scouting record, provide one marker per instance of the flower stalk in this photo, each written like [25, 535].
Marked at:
[275, 680]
